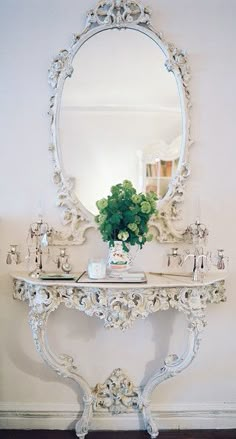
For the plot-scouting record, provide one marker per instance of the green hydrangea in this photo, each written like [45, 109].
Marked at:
[146, 207]
[136, 198]
[133, 227]
[101, 204]
[127, 184]
[124, 215]
[102, 218]
[123, 236]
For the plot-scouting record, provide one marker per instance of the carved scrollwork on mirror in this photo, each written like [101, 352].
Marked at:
[120, 109]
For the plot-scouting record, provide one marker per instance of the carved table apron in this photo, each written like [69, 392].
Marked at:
[119, 305]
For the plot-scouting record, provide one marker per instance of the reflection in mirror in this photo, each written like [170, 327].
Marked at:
[161, 162]
[120, 117]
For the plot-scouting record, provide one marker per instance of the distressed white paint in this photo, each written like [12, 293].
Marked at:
[119, 307]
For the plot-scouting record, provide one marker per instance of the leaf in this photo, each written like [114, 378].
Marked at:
[115, 218]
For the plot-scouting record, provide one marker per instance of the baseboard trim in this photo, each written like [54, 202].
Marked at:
[64, 416]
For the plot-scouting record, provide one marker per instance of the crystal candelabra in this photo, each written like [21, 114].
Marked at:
[201, 259]
[39, 236]
[198, 233]
[39, 239]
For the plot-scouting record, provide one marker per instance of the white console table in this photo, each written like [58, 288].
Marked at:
[119, 305]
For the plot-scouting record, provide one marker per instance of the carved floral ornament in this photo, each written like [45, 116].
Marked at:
[110, 14]
[117, 394]
[119, 12]
[120, 308]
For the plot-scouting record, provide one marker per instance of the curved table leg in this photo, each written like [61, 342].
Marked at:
[62, 364]
[172, 365]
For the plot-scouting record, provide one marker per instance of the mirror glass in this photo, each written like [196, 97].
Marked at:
[120, 116]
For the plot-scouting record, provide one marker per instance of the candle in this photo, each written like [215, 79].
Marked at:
[97, 268]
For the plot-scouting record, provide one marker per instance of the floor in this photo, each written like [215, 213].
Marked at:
[59, 434]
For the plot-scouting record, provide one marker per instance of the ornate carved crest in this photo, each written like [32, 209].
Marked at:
[118, 394]
[119, 12]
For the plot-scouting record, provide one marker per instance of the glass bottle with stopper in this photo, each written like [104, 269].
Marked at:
[174, 259]
[220, 260]
[13, 255]
[62, 261]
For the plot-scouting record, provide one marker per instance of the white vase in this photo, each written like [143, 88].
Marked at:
[119, 260]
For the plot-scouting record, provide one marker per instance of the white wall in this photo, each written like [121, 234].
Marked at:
[31, 33]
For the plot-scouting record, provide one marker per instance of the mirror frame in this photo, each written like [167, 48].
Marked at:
[110, 14]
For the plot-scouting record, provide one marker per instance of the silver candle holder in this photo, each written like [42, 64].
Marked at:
[13, 255]
[199, 257]
[40, 234]
[200, 260]
[62, 261]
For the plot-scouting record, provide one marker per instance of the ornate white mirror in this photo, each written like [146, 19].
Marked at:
[120, 110]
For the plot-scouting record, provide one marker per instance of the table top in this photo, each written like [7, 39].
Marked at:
[152, 281]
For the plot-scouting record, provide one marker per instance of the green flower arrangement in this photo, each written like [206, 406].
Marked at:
[124, 215]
